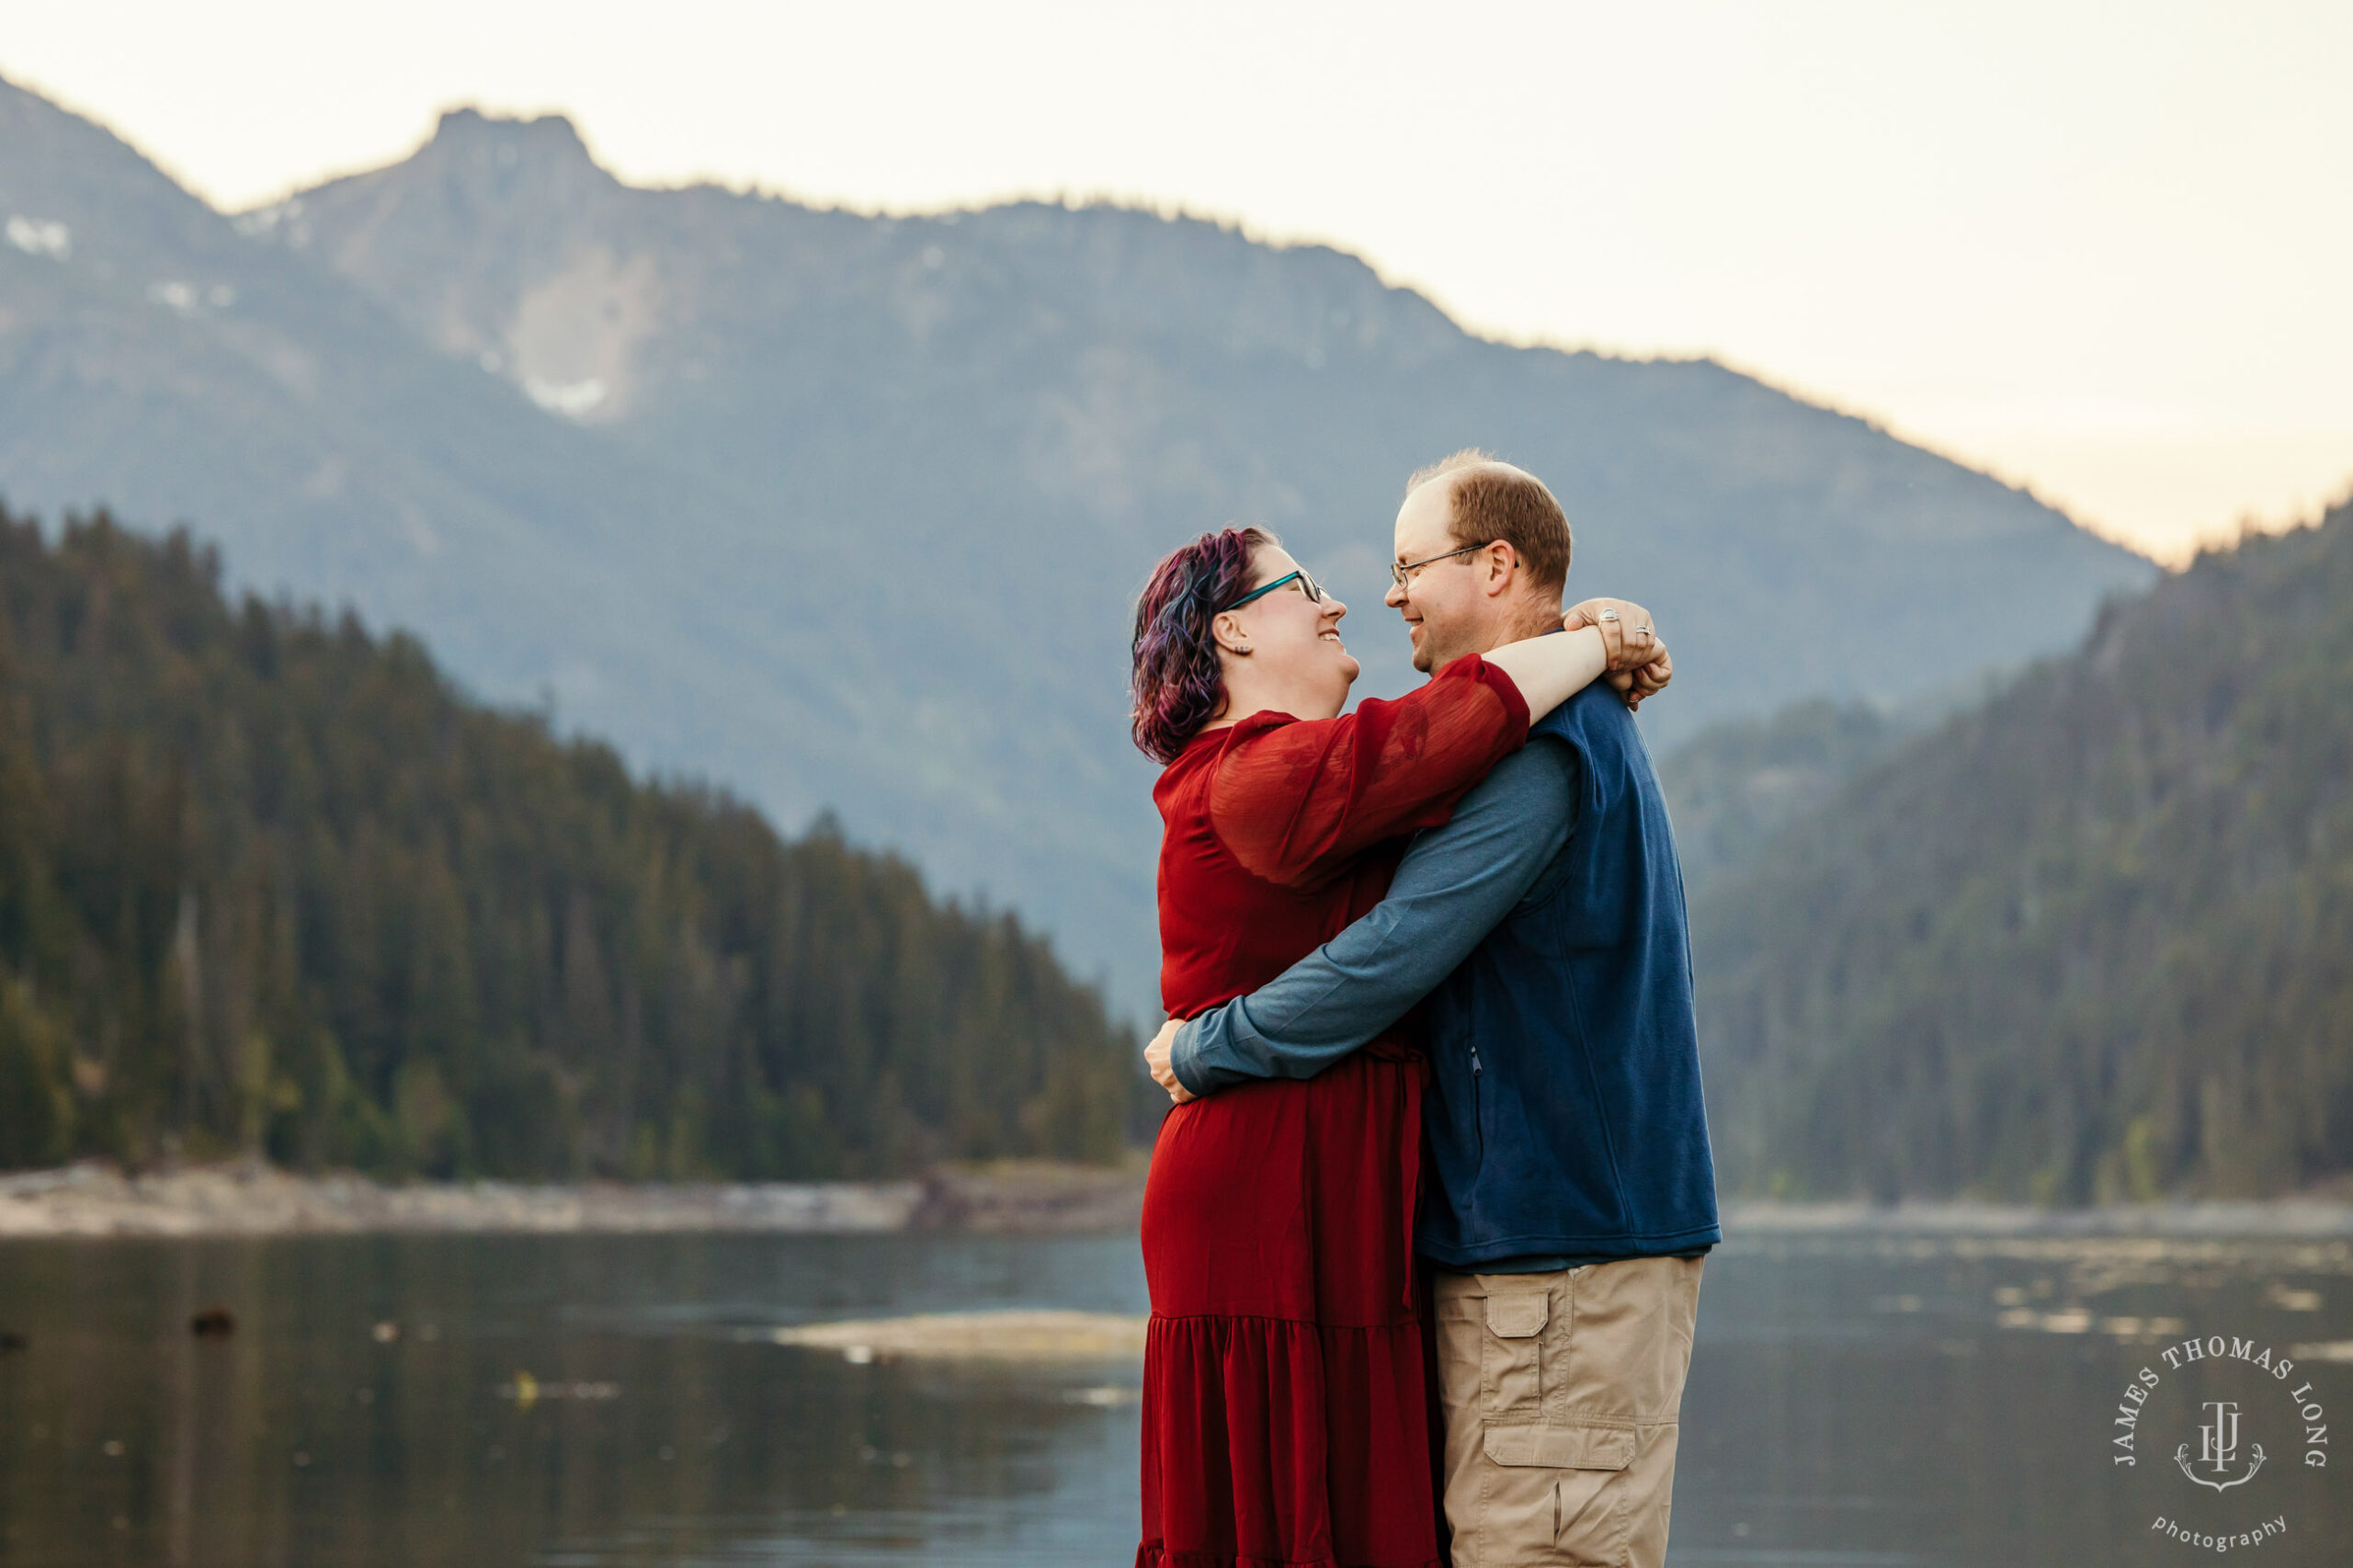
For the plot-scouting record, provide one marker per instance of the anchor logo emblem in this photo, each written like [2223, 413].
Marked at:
[2218, 1448]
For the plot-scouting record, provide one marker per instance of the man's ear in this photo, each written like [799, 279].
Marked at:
[1500, 562]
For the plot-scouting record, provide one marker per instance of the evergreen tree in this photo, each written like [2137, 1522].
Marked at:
[2089, 940]
[270, 884]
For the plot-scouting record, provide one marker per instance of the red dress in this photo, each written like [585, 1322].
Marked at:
[1285, 1419]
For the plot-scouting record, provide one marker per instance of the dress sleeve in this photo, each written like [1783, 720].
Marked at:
[1296, 800]
[1455, 885]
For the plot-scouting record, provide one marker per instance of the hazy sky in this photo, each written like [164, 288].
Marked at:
[2098, 248]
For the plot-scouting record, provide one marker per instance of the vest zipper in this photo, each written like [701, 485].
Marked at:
[1478, 1109]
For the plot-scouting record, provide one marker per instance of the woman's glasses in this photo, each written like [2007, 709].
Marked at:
[1307, 586]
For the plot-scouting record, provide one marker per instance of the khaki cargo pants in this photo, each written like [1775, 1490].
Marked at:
[1561, 1393]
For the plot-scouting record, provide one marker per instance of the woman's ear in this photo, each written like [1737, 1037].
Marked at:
[1227, 632]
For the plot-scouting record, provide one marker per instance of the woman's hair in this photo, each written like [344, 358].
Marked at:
[1177, 685]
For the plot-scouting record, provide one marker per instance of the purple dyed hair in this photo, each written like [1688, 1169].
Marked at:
[1177, 683]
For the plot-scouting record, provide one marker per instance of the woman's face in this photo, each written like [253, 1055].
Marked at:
[1293, 639]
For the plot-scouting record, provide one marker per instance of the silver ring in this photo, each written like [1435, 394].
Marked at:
[1644, 629]
[1609, 615]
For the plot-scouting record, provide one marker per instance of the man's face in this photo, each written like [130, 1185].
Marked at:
[1447, 613]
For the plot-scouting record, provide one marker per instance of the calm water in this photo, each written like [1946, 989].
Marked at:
[1855, 1399]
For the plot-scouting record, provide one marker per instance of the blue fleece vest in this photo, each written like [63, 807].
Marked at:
[1565, 1116]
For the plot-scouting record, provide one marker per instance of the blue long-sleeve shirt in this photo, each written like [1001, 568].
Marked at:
[1455, 884]
[1503, 853]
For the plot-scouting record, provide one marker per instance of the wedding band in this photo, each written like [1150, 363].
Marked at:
[1609, 615]
[1644, 629]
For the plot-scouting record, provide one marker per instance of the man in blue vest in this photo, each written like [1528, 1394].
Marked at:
[1569, 1194]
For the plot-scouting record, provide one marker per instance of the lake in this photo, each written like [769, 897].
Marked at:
[1857, 1397]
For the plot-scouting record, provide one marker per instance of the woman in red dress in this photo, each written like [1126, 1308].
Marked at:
[1285, 1419]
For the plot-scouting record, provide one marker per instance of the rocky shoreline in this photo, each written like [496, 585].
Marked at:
[94, 1200]
[2301, 1216]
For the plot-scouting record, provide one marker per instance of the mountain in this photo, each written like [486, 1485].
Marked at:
[1734, 787]
[268, 883]
[850, 510]
[2089, 940]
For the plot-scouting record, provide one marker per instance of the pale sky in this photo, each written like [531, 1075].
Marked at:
[2100, 249]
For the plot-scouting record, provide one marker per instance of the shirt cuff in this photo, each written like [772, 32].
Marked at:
[1181, 1052]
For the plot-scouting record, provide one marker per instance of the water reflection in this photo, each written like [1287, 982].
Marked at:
[1860, 1398]
[307, 1438]
[1856, 1399]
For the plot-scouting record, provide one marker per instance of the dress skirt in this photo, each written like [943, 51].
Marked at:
[1286, 1405]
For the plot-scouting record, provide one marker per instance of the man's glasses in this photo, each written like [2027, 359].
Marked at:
[1401, 576]
[1307, 586]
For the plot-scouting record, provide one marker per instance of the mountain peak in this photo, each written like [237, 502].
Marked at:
[528, 168]
[509, 138]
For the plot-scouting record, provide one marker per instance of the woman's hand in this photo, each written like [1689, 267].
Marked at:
[1155, 1056]
[1625, 627]
[1639, 666]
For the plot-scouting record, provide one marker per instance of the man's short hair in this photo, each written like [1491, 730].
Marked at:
[1491, 500]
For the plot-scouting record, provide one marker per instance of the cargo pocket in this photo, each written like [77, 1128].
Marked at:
[1511, 1362]
[1555, 1494]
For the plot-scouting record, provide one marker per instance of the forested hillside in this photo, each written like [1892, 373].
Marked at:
[269, 883]
[2091, 940]
[1735, 785]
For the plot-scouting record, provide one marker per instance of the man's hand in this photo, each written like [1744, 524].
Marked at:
[1155, 1056]
[1647, 681]
[1639, 666]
